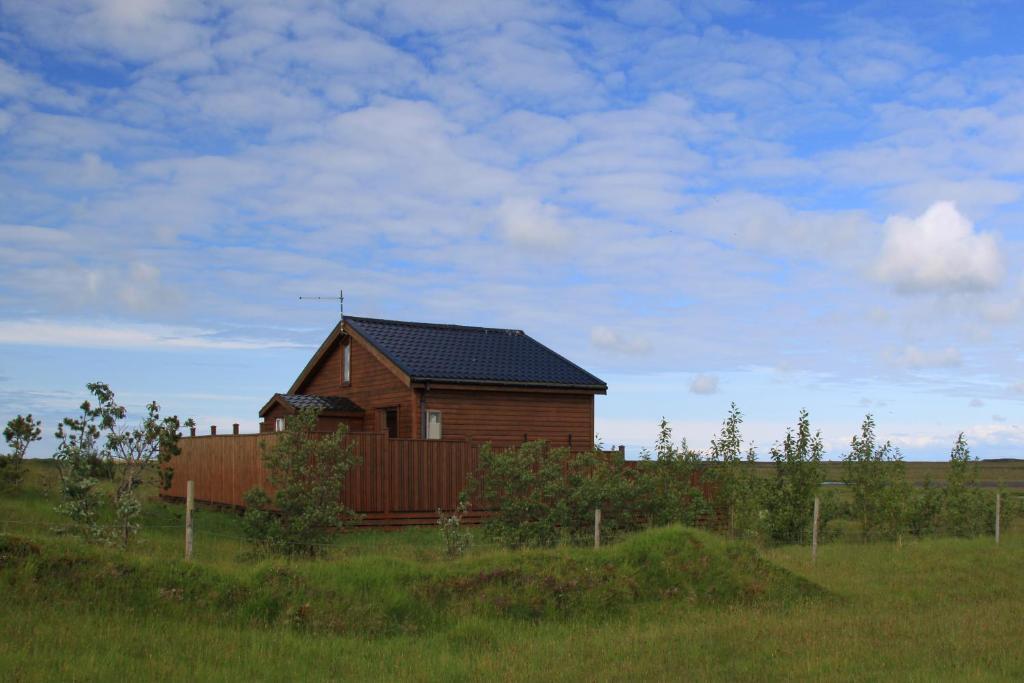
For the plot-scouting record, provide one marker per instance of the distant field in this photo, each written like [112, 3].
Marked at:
[991, 473]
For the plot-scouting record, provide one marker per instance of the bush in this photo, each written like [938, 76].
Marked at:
[738, 491]
[456, 539]
[663, 489]
[966, 510]
[876, 478]
[308, 474]
[798, 475]
[19, 433]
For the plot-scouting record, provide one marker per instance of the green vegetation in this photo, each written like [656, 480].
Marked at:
[308, 475]
[390, 605]
[20, 433]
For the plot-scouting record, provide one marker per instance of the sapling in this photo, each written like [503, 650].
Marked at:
[19, 433]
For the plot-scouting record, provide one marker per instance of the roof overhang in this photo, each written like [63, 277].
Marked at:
[424, 383]
[278, 399]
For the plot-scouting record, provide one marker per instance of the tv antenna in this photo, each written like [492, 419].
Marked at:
[340, 299]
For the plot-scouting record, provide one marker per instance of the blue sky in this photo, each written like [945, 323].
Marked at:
[784, 205]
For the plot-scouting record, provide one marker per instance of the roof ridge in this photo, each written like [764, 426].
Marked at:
[440, 326]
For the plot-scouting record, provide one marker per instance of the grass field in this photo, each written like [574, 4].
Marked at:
[388, 606]
[991, 473]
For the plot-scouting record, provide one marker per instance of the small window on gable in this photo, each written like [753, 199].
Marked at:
[346, 373]
[279, 424]
[433, 424]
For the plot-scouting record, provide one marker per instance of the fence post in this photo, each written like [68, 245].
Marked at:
[998, 501]
[234, 428]
[597, 527]
[190, 490]
[814, 530]
[213, 430]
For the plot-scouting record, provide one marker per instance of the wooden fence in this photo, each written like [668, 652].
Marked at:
[397, 481]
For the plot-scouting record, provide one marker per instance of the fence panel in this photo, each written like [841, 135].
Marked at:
[397, 481]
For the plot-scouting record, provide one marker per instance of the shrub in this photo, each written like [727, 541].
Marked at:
[798, 475]
[99, 441]
[456, 539]
[876, 478]
[19, 433]
[308, 475]
[966, 510]
[663, 489]
[525, 487]
[739, 492]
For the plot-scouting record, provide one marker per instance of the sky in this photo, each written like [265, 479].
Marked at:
[783, 205]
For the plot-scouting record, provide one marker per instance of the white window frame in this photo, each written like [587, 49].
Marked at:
[346, 365]
[440, 425]
[279, 424]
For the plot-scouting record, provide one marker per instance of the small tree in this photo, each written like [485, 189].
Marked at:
[100, 440]
[19, 433]
[798, 475]
[308, 475]
[738, 490]
[964, 509]
[457, 538]
[526, 488]
[663, 486]
[876, 478]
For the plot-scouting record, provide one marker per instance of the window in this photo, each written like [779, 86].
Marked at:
[279, 424]
[433, 424]
[346, 373]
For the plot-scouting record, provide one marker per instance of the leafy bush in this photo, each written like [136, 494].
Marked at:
[525, 487]
[663, 487]
[739, 493]
[308, 475]
[966, 510]
[798, 475]
[877, 481]
[19, 433]
[456, 539]
[98, 442]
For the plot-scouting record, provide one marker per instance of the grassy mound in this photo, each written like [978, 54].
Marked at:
[383, 596]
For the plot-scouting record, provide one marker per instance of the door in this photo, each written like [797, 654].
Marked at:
[391, 422]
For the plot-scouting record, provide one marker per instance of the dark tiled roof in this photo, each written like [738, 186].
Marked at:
[336, 403]
[477, 355]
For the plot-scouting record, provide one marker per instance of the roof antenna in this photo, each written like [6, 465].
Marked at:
[340, 299]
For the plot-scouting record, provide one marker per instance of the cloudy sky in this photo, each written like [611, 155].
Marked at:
[785, 205]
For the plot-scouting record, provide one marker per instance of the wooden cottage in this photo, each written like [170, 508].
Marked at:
[432, 381]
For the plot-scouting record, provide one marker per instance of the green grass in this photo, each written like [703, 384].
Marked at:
[387, 606]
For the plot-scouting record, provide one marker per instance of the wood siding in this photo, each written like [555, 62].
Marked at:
[397, 481]
[502, 418]
[374, 387]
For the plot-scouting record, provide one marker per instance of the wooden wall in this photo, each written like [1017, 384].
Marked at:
[374, 386]
[398, 481]
[502, 417]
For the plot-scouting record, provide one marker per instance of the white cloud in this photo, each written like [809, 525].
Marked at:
[704, 384]
[530, 224]
[915, 358]
[938, 251]
[125, 336]
[607, 339]
[976, 403]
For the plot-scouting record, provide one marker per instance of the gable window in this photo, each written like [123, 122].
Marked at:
[279, 424]
[346, 372]
[433, 424]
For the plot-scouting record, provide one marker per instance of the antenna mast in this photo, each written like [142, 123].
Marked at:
[340, 299]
